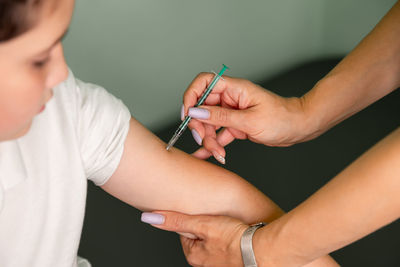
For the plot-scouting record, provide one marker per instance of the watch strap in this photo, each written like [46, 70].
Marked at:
[246, 245]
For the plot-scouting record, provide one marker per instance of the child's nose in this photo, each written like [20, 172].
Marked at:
[59, 68]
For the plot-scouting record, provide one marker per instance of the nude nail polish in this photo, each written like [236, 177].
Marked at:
[218, 157]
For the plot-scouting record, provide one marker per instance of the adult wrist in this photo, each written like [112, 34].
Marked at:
[274, 248]
[319, 109]
[301, 119]
[264, 247]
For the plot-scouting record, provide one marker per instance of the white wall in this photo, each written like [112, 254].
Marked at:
[147, 51]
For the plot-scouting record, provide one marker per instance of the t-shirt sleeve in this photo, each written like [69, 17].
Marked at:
[103, 124]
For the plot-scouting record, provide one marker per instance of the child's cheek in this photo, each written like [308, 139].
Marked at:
[22, 96]
[12, 125]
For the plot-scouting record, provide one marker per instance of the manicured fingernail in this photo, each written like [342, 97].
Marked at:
[218, 157]
[197, 137]
[182, 112]
[199, 113]
[188, 235]
[152, 218]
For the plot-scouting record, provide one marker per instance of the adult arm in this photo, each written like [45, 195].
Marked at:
[361, 199]
[369, 72]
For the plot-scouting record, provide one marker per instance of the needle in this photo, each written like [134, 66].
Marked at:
[182, 127]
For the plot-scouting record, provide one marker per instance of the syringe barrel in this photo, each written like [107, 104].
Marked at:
[182, 127]
[211, 86]
[208, 90]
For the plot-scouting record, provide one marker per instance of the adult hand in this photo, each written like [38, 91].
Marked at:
[246, 110]
[206, 240]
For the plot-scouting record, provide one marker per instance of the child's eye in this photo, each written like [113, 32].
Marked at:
[40, 63]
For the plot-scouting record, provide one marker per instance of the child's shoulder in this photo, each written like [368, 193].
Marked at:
[72, 88]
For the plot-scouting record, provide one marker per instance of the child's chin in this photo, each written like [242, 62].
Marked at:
[22, 132]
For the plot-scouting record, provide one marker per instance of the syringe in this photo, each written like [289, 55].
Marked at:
[182, 127]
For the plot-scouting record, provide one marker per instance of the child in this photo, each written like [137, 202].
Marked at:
[56, 132]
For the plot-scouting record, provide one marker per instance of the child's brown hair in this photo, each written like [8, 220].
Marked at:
[17, 17]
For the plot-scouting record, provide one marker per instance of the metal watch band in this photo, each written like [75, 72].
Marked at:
[246, 245]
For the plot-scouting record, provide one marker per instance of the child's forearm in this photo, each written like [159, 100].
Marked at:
[361, 199]
[369, 72]
[250, 205]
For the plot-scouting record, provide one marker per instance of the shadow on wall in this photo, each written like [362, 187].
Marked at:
[114, 236]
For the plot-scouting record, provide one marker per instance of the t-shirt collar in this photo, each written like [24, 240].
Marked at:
[12, 166]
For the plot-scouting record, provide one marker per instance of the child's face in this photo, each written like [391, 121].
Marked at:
[30, 66]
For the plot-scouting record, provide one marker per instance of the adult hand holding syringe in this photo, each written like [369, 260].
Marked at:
[182, 127]
[246, 111]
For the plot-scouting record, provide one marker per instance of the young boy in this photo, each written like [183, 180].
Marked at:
[56, 132]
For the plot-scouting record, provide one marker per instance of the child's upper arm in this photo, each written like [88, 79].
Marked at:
[151, 178]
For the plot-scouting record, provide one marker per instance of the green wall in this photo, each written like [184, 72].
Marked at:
[147, 51]
[346, 22]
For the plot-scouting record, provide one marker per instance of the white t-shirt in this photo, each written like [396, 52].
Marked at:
[43, 175]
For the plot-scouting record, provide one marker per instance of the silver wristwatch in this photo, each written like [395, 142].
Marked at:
[246, 245]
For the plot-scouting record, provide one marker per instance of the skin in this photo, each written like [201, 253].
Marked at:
[31, 65]
[361, 199]
[348, 208]
[148, 177]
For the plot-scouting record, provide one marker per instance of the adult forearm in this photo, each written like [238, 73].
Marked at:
[361, 199]
[368, 73]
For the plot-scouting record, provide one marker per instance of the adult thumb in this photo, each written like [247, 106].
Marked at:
[175, 222]
[219, 116]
